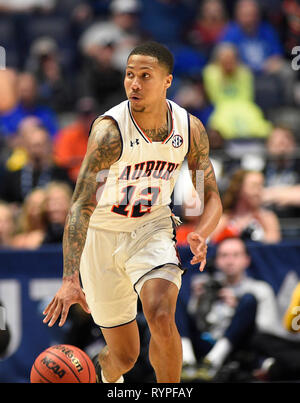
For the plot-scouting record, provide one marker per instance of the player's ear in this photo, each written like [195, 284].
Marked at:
[168, 81]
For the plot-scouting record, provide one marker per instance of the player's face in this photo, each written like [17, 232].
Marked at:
[146, 82]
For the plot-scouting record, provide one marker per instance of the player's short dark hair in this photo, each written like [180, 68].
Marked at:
[157, 50]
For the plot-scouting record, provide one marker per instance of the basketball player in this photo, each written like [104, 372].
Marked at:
[119, 235]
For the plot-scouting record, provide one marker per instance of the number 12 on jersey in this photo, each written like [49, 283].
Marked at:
[141, 206]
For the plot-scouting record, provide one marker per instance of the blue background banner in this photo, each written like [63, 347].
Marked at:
[29, 279]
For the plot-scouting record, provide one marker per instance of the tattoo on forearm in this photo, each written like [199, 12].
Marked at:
[198, 158]
[104, 149]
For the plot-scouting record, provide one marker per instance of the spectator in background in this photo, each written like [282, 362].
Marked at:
[260, 49]
[226, 78]
[7, 225]
[37, 172]
[122, 30]
[71, 141]
[192, 96]
[280, 347]
[27, 105]
[8, 102]
[243, 214]
[30, 104]
[257, 42]
[291, 10]
[57, 203]
[167, 21]
[282, 173]
[227, 307]
[32, 221]
[9, 90]
[230, 87]
[26, 6]
[99, 78]
[54, 84]
[210, 23]
[18, 154]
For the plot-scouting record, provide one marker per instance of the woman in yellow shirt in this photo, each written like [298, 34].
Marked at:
[230, 87]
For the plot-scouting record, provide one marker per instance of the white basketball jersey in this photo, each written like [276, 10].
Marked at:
[139, 185]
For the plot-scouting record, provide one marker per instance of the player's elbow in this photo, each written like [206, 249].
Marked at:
[213, 199]
[219, 207]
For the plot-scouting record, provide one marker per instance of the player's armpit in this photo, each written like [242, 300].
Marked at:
[104, 148]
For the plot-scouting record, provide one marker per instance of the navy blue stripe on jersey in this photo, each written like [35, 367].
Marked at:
[170, 135]
[170, 138]
[136, 126]
[173, 131]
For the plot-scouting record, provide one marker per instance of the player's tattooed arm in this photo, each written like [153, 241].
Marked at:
[198, 160]
[104, 148]
[201, 169]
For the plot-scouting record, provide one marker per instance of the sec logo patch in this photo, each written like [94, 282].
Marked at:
[177, 141]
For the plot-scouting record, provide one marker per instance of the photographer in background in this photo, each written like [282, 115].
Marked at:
[226, 308]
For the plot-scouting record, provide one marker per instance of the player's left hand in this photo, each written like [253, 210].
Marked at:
[199, 249]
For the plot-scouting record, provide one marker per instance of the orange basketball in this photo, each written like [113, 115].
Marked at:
[63, 363]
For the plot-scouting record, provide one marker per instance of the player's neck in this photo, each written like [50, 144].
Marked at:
[154, 122]
[152, 118]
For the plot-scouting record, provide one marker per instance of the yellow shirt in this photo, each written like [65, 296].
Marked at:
[220, 88]
[291, 318]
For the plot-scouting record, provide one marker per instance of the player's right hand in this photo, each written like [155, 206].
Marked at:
[198, 247]
[69, 293]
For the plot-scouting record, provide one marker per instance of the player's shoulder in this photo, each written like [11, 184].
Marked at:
[102, 123]
[104, 129]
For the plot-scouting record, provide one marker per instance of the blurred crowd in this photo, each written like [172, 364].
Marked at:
[236, 69]
[233, 69]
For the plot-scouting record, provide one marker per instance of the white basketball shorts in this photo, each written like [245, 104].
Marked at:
[115, 265]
